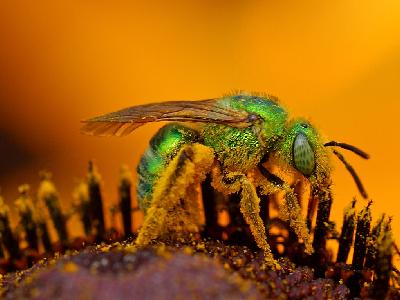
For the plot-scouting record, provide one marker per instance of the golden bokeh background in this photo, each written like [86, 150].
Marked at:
[337, 63]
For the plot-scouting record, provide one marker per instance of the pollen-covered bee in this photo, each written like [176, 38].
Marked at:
[231, 138]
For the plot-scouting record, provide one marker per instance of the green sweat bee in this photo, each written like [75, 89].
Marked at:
[231, 138]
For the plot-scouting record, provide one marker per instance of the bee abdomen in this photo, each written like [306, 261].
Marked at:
[163, 147]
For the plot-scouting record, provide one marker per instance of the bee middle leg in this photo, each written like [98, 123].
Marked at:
[289, 210]
[174, 208]
[249, 206]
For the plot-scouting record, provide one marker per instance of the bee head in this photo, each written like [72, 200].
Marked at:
[302, 148]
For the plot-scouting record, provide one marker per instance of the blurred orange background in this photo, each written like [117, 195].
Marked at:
[337, 63]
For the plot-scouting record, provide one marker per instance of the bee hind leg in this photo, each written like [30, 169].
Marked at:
[174, 208]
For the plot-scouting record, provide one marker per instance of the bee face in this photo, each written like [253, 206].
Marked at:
[302, 149]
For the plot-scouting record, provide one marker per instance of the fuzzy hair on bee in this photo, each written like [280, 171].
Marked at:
[232, 139]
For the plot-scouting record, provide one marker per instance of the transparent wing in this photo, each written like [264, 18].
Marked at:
[124, 121]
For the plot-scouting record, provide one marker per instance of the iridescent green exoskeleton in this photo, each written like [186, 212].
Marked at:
[232, 138]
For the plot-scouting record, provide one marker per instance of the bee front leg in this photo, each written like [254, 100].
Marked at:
[290, 211]
[173, 207]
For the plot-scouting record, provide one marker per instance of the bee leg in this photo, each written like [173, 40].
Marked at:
[249, 206]
[173, 207]
[289, 210]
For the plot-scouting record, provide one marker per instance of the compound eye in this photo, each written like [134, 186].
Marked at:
[303, 155]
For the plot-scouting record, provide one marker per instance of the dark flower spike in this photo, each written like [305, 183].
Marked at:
[347, 234]
[362, 236]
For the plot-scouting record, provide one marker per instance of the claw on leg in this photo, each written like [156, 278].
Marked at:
[173, 205]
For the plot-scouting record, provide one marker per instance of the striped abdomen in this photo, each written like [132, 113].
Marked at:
[163, 147]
